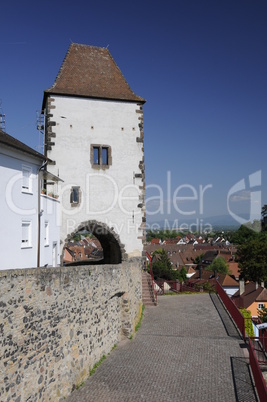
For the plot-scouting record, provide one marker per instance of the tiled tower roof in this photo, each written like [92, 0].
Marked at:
[90, 71]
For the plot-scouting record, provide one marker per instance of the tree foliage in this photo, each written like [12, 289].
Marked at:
[248, 323]
[219, 265]
[262, 314]
[264, 217]
[163, 234]
[182, 274]
[252, 259]
[199, 258]
[162, 267]
[242, 235]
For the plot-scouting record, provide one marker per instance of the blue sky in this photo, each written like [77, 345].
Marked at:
[201, 66]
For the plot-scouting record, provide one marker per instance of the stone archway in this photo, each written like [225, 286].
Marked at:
[113, 249]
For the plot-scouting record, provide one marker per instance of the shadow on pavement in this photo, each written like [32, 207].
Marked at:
[225, 318]
[244, 390]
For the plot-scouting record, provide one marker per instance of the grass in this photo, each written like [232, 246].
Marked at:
[138, 325]
[113, 347]
[80, 385]
[91, 372]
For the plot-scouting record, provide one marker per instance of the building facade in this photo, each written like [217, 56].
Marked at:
[94, 137]
[29, 229]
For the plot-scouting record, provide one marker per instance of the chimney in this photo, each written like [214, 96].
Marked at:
[262, 284]
[241, 286]
[256, 285]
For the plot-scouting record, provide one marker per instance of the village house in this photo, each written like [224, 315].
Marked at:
[94, 137]
[251, 296]
[30, 220]
[202, 276]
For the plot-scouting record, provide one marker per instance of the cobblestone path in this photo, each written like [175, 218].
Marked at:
[187, 350]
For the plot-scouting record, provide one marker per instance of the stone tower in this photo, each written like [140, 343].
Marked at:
[94, 136]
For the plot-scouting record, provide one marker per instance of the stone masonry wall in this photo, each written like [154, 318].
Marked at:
[56, 323]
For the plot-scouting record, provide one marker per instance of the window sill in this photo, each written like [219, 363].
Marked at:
[27, 192]
[23, 247]
[98, 167]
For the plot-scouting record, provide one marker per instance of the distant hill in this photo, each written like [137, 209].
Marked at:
[220, 222]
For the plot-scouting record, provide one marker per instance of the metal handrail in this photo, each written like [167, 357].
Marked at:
[253, 361]
[257, 374]
[153, 283]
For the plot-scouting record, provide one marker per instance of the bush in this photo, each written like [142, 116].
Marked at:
[248, 322]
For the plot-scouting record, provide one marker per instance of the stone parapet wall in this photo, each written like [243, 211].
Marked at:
[56, 323]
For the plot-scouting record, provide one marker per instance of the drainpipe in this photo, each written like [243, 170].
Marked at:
[39, 214]
[39, 221]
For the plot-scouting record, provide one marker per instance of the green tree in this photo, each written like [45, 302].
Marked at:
[162, 267]
[264, 217]
[182, 274]
[252, 259]
[199, 258]
[262, 314]
[242, 235]
[255, 225]
[219, 265]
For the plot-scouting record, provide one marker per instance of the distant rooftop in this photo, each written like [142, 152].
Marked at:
[90, 71]
[12, 142]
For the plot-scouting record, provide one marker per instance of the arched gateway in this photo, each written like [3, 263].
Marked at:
[113, 250]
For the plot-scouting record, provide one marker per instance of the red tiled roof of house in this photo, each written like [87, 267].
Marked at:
[170, 241]
[234, 268]
[262, 296]
[205, 275]
[191, 270]
[227, 280]
[155, 241]
[90, 71]
[250, 295]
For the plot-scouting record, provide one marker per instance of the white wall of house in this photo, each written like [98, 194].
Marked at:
[230, 290]
[108, 195]
[49, 231]
[18, 205]
[19, 211]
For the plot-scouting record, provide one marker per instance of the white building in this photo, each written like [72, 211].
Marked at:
[94, 136]
[29, 230]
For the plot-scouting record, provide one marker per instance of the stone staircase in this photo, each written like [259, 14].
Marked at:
[147, 290]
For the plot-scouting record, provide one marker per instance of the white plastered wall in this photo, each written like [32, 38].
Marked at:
[108, 195]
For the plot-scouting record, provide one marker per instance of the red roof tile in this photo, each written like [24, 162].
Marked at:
[250, 295]
[90, 71]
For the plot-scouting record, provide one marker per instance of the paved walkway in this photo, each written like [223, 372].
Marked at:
[187, 350]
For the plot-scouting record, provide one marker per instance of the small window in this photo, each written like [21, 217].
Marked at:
[100, 156]
[26, 234]
[75, 195]
[46, 234]
[104, 156]
[26, 179]
[96, 155]
[260, 306]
